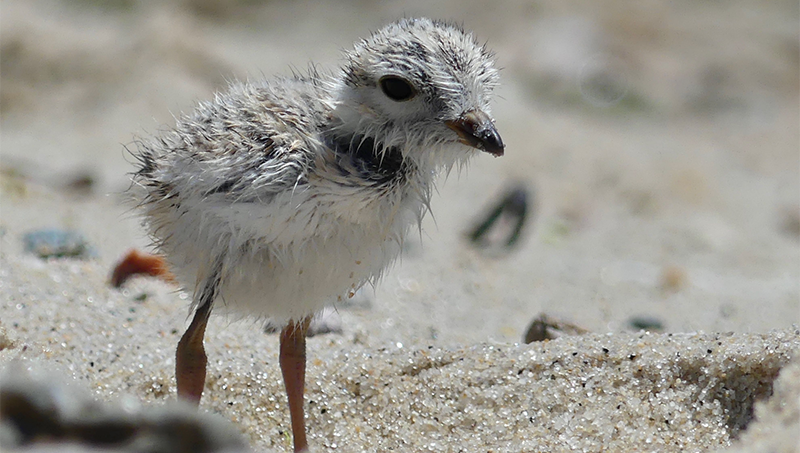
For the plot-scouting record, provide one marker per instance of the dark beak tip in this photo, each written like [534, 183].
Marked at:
[493, 144]
[476, 129]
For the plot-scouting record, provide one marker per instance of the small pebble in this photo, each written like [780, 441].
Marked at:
[548, 328]
[139, 263]
[644, 322]
[55, 243]
[503, 223]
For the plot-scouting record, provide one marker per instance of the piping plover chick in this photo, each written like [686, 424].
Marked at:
[280, 196]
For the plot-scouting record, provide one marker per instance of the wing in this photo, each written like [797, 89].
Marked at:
[247, 145]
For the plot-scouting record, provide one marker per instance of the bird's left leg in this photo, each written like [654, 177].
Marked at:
[293, 366]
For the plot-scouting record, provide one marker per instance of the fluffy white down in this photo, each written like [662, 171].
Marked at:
[288, 258]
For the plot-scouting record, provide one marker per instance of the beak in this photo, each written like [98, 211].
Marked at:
[477, 130]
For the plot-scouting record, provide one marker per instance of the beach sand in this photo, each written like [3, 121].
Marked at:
[659, 147]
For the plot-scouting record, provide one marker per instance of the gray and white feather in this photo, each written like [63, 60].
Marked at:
[293, 192]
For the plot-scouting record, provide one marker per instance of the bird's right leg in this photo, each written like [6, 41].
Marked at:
[190, 358]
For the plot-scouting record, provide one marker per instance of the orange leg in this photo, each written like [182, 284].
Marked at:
[190, 359]
[293, 366]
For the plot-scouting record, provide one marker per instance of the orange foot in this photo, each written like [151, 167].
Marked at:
[136, 262]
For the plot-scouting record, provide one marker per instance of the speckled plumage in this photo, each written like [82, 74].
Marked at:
[281, 196]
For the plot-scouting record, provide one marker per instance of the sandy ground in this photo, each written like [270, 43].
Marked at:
[659, 143]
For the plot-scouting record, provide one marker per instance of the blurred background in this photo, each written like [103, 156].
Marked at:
[657, 145]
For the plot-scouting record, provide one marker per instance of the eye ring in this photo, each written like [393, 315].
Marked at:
[397, 88]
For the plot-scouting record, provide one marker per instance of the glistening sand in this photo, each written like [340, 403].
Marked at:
[679, 202]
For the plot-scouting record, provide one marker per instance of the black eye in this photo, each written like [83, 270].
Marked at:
[396, 88]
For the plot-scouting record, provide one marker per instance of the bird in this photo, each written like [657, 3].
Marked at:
[281, 196]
